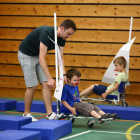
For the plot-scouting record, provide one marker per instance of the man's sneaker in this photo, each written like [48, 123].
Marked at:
[105, 116]
[53, 116]
[29, 115]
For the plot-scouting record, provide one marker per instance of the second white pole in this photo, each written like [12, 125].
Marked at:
[56, 57]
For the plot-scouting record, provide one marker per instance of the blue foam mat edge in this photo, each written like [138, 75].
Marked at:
[127, 113]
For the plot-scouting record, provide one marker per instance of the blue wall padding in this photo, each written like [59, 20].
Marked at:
[37, 106]
[6, 105]
[13, 122]
[20, 135]
[126, 113]
[50, 129]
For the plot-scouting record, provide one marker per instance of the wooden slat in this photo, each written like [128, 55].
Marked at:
[17, 82]
[103, 36]
[81, 23]
[20, 93]
[9, 33]
[16, 70]
[71, 10]
[74, 1]
[13, 82]
[74, 60]
[93, 61]
[10, 46]
[87, 73]
[78, 48]
[80, 35]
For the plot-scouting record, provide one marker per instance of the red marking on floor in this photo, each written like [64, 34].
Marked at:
[126, 120]
[40, 117]
[11, 112]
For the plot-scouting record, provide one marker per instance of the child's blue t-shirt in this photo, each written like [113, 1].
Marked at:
[70, 94]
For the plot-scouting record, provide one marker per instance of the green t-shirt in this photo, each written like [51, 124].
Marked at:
[121, 77]
[30, 45]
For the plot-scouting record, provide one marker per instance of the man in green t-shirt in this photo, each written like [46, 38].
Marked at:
[31, 55]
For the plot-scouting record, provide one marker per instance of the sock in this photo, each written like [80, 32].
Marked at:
[99, 118]
[50, 115]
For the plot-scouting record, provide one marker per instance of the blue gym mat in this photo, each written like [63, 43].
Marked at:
[6, 104]
[50, 129]
[37, 106]
[13, 122]
[20, 135]
[127, 113]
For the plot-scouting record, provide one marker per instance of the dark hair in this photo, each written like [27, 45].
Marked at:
[68, 24]
[72, 72]
[120, 60]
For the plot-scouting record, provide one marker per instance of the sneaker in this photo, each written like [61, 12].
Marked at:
[105, 116]
[29, 115]
[108, 114]
[53, 116]
[113, 115]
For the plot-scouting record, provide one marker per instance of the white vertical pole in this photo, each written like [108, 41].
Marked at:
[56, 58]
[130, 29]
[56, 62]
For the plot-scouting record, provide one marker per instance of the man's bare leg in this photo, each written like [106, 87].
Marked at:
[28, 99]
[47, 98]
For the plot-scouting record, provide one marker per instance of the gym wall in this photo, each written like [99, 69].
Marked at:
[103, 28]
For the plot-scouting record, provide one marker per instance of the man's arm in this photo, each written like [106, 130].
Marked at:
[109, 91]
[42, 61]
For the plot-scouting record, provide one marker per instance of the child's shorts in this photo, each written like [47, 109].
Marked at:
[100, 89]
[85, 108]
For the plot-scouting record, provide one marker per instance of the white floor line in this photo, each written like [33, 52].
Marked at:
[76, 135]
[95, 131]
[114, 132]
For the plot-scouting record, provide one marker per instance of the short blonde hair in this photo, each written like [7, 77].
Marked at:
[120, 60]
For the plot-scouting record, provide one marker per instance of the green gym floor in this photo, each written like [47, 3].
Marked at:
[116, 130]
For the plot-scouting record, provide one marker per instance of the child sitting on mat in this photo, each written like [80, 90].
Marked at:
[70, 98]
[103, 91]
